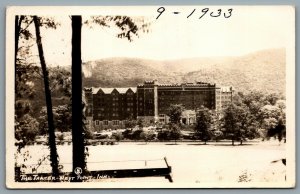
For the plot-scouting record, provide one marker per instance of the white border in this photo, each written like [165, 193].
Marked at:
[136, 10]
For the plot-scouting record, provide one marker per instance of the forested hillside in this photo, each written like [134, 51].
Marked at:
[262, 71]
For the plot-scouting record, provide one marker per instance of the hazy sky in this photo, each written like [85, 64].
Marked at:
[176, 36]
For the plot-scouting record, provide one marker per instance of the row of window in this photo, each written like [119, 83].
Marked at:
[185, 92]
[103, 114]
[116, 94]
[106, 122]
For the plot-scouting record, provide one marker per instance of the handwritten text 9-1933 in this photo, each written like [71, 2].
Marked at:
[200, 13]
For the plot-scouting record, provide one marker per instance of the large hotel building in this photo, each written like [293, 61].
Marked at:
[111, 107]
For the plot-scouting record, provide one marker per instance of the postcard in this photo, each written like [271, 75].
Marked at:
[150, 97]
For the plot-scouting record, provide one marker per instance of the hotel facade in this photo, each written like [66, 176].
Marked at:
[110, 108]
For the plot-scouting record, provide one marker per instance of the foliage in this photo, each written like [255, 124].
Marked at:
[163, 135]
[264, 71]
[174, 112]
[274, 119]
[60, 137]
[127, 134]
[62, 118]
[130, 123]
[38, 23]
[136, 135]
[128, 27]
[26, 130]
[88, 133]
[204, 124]
[147, 136]
[117, 136]
[174, 132]
[236, 121]
[141, 123]
[60, 81]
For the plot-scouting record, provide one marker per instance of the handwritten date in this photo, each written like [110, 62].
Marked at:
[205, 11]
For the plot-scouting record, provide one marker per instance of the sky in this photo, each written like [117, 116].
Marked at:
[174, 36]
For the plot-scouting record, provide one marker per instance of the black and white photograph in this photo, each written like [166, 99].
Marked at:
[150, 97]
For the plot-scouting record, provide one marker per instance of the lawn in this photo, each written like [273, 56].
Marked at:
[191, 162]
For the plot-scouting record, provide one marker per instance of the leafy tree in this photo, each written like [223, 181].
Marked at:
[62, 118]
[26, 69]
[174, 112]
[26, 130]
[204, 124]
[273, 98]
[130, 123]
[60, 137]
[147, 136]
[274, 119]
[232, 122]
[38, 22]
[174, 132]
[163, 135]
[24, 88]
[117, 136]
[88, 134]
[127, 134]
[141, 123]
[136, 135]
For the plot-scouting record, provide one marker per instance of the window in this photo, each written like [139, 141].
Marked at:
[97, 123]
[116, 122]
[105, 122]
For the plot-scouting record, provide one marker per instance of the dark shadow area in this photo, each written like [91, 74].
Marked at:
[246, 144]
[199, 144]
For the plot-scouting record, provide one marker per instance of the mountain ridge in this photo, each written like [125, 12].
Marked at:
[262, 70]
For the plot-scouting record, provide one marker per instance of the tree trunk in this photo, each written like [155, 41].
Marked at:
[18, 22]
[52, 146]
[17, 33]
[241, 142]
[232, 141]
[77, 127]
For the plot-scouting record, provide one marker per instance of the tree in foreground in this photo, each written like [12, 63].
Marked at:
[147, 136]
[128, 29]
[274, 120]
[51, 127]
[204, 124]
[174, 132]
[232, 124]
[174, 113]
